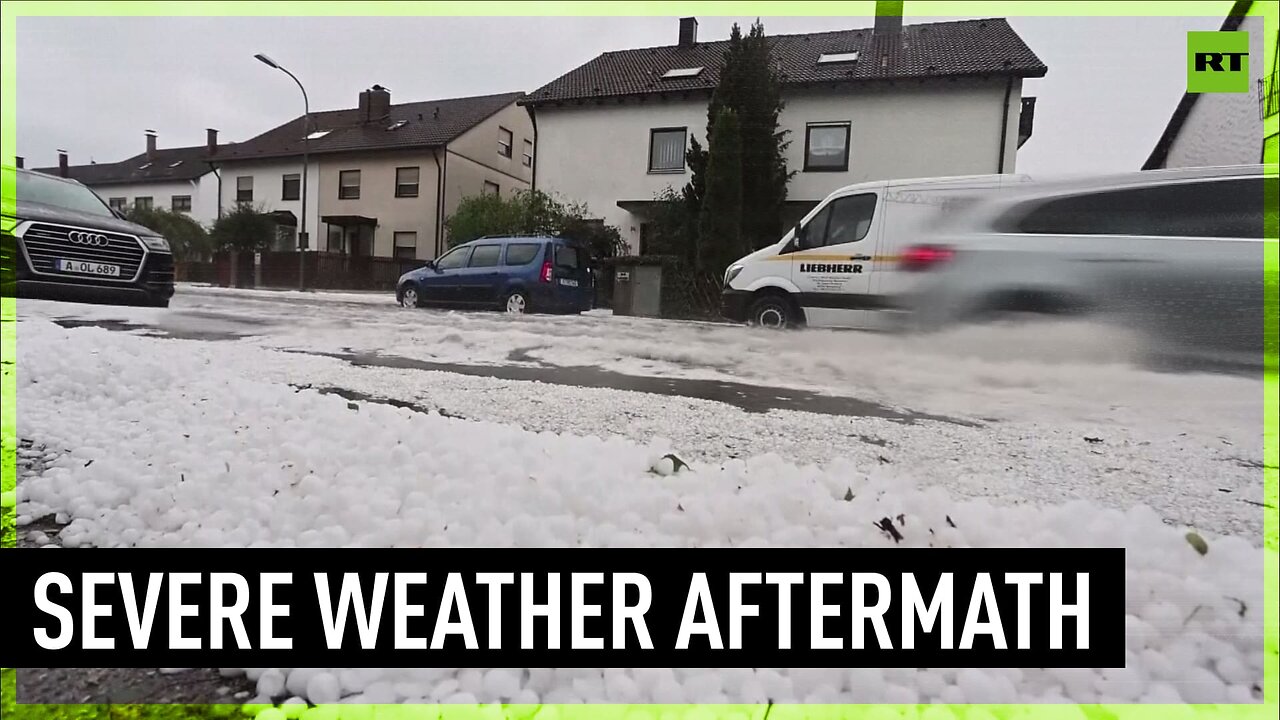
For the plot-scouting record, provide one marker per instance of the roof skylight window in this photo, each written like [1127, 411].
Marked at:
[682, 73]
[397, 124]
[843, 57]
[317, 134]
[175, 164]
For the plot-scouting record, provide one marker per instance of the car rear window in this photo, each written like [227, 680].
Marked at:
[1211, 208]
[567, 256]
[521, 253]
[485, 255]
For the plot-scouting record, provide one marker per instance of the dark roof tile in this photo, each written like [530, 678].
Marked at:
[167, 165]
[944, 49]
[423, 127]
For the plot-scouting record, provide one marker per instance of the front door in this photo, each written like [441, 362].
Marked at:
[440, 284]
[832, 263]
[477, 282]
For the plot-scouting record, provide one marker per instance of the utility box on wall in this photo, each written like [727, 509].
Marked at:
[637, 289]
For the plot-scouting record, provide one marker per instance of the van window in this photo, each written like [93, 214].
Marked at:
[521, 253]
[843, 220]
[1214, 208]
[454, 258]
[815, 231]
[566, 256]
[485, 255]
[850, 219]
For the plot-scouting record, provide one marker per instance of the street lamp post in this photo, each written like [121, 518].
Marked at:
[306, 141]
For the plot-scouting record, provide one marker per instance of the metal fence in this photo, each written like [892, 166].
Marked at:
[321, 271]
[1268, 100]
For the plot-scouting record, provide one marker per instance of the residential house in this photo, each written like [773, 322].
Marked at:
[180, 179]
[384, 177]
[1209, 129]
[876, 103]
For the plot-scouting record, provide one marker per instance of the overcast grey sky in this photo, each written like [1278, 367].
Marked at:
[93, 85]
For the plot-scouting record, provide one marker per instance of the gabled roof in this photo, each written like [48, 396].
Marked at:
[166, 165]
[943, 49]
[432, 123]
[1160, 153]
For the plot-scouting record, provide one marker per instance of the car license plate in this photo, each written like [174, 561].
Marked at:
[570, 283]
[85, 267]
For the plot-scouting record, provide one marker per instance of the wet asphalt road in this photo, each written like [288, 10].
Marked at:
[213, 326]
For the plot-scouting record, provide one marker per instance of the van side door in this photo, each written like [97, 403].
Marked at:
[832, 262]
[477, 282]
[440, 285]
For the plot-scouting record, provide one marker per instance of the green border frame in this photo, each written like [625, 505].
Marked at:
[916, 8]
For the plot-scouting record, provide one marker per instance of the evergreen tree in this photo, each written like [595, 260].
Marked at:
[720, 240]
[758, 102]
[749, 86]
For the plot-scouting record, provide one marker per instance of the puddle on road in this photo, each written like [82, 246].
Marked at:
[751, 398]
[193, 332]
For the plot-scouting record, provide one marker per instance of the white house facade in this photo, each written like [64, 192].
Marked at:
[1211, 129]
[197, 198]
[275, 186]
[860, 105]
[954, 129]
[178, 179]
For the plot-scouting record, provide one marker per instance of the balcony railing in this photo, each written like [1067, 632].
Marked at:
[1268, 100]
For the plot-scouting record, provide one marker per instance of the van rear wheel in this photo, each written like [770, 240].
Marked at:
[516, 303]
[773, 312]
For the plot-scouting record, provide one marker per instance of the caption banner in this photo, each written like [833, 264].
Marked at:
[832, 607]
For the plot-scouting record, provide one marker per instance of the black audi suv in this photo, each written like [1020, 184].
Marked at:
[59, 240]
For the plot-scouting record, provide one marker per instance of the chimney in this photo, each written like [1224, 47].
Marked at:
[62, 164]
[379, 103]
[151, 145]
[18, 161]
[688, 32]
[364, 106]
[212, 142]
[888, 17]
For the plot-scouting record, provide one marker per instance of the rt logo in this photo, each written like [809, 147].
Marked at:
[1217, 62]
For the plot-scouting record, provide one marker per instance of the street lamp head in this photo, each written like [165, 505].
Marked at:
[267, 61]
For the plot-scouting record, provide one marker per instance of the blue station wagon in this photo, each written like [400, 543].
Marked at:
[515, 274]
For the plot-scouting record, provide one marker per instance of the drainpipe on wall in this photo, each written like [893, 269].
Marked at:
[440, 201]
[1004, 124]
[435, 155]
[533, 118]
[218, 175]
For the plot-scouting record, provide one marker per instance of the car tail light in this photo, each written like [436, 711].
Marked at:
[546, 272]
[918, 258]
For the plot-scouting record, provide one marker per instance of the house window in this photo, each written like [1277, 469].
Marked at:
[406, 245]
[117, 203]
[290, 186]
[142, 203]
[666, 149]
[826, 147]
[504, 142]
[407, 182]
[491, 188]
[180, 203]
[528, 153]
[244, 189]
[349, 185]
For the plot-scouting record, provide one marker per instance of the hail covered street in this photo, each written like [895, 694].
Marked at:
[280, 418]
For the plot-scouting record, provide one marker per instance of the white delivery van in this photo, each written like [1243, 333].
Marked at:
[839, 266]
